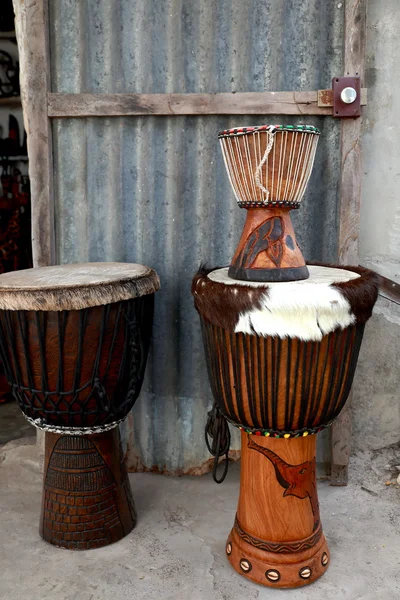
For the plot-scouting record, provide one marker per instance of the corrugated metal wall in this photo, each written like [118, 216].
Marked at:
[154, 190]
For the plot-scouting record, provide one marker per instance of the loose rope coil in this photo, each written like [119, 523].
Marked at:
[218, 440]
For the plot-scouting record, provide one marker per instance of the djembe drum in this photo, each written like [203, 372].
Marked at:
[281, 358]
[269, 168]
[74, 341]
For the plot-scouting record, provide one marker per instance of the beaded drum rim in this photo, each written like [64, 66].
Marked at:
[280, 433]
[265, 128]
[260, 204]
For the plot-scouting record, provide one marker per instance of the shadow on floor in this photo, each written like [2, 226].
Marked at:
[12, 423]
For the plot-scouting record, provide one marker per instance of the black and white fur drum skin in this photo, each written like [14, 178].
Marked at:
[281, 361]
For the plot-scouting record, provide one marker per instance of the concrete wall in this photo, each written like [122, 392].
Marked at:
[376, 404]
[380, 216]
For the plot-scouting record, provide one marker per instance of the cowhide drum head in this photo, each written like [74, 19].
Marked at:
[75, 286]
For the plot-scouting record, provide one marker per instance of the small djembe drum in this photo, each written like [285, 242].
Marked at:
[281, 358]
[269, 168]
[74, 341]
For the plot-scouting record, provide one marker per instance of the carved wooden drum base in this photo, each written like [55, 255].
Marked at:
[278, 569]
[87, 500]
[277, 537]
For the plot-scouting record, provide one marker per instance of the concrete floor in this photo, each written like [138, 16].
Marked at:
[177, 551]
[13, 425]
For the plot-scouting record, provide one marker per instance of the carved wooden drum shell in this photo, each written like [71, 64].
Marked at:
[78, 368]
[281, 385]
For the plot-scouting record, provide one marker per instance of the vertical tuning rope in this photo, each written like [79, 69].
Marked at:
[271, 135]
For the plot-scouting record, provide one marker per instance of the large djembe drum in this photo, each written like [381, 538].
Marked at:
[281, 358]
[74, 341]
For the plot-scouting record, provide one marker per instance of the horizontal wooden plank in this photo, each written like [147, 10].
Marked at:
[7, 35]
[249, 103]
[325, 97]
[10, 101]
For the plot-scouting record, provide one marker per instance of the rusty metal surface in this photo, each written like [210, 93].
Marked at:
[340, 108]
[154, 189]
[325, 98]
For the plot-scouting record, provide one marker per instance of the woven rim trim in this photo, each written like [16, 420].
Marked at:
[262, 128]
[259, 204]
[40, 424]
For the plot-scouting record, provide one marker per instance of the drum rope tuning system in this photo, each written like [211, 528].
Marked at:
[66, 404]
[281, 341]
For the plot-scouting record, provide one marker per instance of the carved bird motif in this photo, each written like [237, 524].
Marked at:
[267, 237]
[298, 480]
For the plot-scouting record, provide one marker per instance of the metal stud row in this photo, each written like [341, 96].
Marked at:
[274, 575]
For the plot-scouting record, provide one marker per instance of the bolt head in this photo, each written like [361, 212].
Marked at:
[348, 95]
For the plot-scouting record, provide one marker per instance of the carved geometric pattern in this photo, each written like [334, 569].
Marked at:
[278, 547]
[79, 506]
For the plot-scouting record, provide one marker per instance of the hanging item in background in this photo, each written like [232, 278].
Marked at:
[6, 16]
[15, 242]
[15, 214]
[15, 228]
[9, 75]
[15, 234]
[10, 146]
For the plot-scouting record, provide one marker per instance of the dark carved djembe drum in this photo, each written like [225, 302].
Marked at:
[74, 341]
[281, 358]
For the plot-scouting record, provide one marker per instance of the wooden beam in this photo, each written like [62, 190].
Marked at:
[248, 103]
[33, 45]
[389, 289]
[349, 207]
[9, 101]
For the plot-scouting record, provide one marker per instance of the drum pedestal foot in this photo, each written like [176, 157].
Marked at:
[87, 501]
[276, 569]
[277, 537]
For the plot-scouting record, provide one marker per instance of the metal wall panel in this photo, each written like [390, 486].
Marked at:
[154, 189]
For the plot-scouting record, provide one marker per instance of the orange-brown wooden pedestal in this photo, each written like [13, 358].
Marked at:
[268, 249]
[277, 537]
[87, 500]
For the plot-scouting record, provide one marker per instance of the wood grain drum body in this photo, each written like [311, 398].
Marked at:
[281, 386]
[79, 368]
[74, 341]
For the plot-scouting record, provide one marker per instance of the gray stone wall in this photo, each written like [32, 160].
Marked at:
[376, 390]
